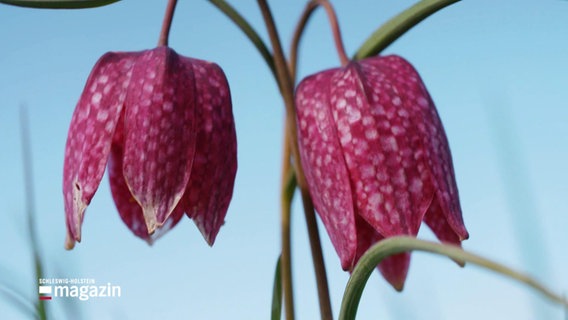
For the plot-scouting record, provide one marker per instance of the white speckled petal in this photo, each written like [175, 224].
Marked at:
[210, 186]
[90, 135]
[371, 129]
[129, 210]
[324, 165]
[430, 145]
[382, 146]
[159, 128]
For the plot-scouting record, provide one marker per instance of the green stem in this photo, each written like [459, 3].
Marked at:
[59, 4]
[317, 257]
[248, 30]
[397, 26]
[167, 23]
[287, 90]
[394, 245]
[287, 189]
[286, 257]
[277, 293]
[286, 84]
[309, 212]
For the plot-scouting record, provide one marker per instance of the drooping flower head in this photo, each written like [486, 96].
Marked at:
[164, 124]
[376, 159]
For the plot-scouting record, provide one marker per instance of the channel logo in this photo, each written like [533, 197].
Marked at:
[82, 289]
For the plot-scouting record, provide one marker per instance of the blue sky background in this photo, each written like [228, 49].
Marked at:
[497, 70]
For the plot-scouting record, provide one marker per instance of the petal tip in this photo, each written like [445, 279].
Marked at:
[395, 269]
[75, 218]
[396, 280]
[150, 219]
[208, 236]
[398, 286]
[69, 242]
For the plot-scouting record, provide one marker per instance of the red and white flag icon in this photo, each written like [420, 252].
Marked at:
[45, 292]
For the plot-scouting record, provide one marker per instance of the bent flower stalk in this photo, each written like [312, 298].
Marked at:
[376, 159]
[164, 124]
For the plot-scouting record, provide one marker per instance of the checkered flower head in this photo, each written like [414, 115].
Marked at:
[376, 159]
[164, 125]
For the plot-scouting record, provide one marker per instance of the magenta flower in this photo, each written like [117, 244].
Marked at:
[376, 159]
[165, 122]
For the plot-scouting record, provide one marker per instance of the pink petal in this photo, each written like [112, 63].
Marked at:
[159, 133]
[129, 210]
[90, 135]
[210, 186]
[394, 268]
[366, 238]
[435, 145]
[437, 222]
[324, 165]
[373, 109]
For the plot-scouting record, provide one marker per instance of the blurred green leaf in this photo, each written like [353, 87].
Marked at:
[248, 30]
[277, 293]
[41, 310]
[397, 26]
[59, 4]
[17, 299]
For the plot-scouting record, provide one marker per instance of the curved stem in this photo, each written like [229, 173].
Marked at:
[397, 26]
[248, 30]
[167, 23]
[335, 30]
[287, 87]
[287, 90]
[286, 84]
[301, 25]
[394, 245]
[298, 33]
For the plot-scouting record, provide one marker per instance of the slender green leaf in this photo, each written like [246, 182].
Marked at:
[248, 30]
[291, 184]
[59, 4]
[397, 26]
[30, 204]
[18, 300]
[525, 217]
[565, 309]
[277, 293]
[394, 245]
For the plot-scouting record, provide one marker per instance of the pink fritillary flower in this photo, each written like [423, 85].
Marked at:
[164, 124]
[376, 159]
